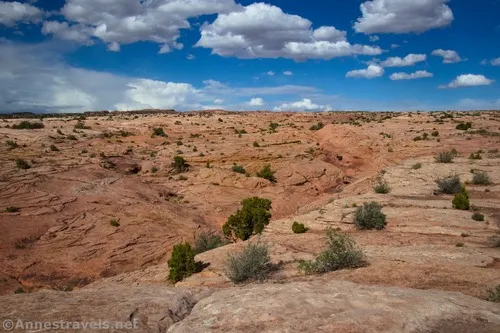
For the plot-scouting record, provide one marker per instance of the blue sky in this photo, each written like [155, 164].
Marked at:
[77, 55]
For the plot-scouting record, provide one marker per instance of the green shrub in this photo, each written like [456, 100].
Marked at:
[382, 188]
[416, 166]
[54, 148]
[159, 132]
[207, 241]
[370, 216]
[28, 125]
[461, 200]
[464, 126]
[154, 169]
[239, 169]
[81, 125]
[180, 164]
[256, 144]
[267, 173]
[12, 209]
[341, 252]
[417, 138]
[445, 157]
[299, 228]
[250, 219]
[494, 241]
[481, 178]
[475, 156]
[478, 217]
[273, 126]
[449, 185]
[71, 137]
[12, 144]
[182, 263]
[317, 127]
[494, 294]
[19, 291]
[253, 263]
[114, 223]
[435, 133]
[22, 164]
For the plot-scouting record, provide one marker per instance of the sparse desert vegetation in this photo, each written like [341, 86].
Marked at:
[341, 252]
[370, 216]
[148, 206]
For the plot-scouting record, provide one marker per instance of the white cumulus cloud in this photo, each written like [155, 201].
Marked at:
[12, 12]
[449, 56]
[469, 80]
[371, 72]
[288, 73]
[403, 16]
[265, 31]
[126, 22]
[495, 62]
[257, 101]
[411, 76]
[410, 60]
[304, 105]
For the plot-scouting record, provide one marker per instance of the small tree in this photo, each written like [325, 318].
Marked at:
[273, 126]
[159, 132]
[299, 228]
[253, 263]
[182, 263]
[267, 173]
[461, 200]
[180, 164]
[370, 216]
[22, 164]
[250, 219]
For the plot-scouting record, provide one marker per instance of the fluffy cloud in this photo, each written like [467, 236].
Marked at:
[469, 80]
[152, 94]
[410, 60]
[449, 56]
[495, 62]
[257, 101]
[288, 73]
[270, 73]
[329, 34]
[13, 12]
[62, 30]
[403, 16]
[126, 22]
[371, 72]
[412, 76]
[303, 105]
[265, 31]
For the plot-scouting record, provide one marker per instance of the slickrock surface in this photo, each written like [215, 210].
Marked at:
[315, 306]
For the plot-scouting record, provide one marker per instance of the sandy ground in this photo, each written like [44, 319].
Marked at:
[62, 234]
